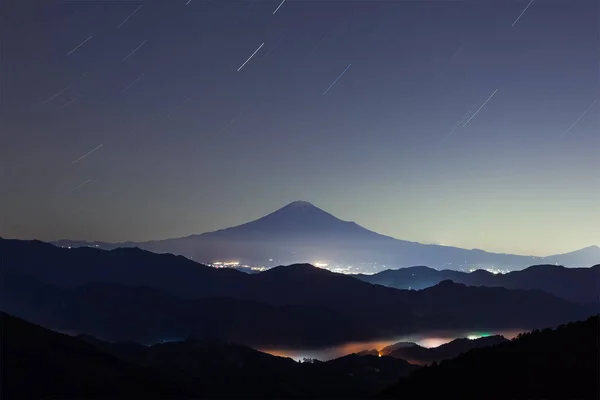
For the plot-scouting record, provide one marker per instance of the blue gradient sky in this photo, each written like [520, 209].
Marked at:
[194, 145]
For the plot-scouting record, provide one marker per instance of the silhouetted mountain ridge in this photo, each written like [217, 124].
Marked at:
[575, 284]
[127, 266]
[138, 295]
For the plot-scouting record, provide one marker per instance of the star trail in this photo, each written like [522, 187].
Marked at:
[469, 123]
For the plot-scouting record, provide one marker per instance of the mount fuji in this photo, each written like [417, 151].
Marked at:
[303, 233]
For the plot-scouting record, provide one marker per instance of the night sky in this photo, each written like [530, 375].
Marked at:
[468, 123]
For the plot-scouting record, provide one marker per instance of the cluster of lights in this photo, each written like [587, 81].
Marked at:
[479, 336]
[89, 245]
[339, 269]
[225, 264]
[342, 270]
[235, 264]
[362, 267]
[492, 270]
[496, 271]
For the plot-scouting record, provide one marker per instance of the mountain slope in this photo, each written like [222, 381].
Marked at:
[301, 232]
[583, 257]
[559, 364]
[38, 363]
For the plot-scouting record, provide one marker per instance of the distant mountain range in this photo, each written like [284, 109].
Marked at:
[581, 285]
[301, 233]
[132, 294]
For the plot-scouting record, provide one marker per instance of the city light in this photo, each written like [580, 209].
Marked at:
[237, 265]
[478, 336]
[218, 264]
[491, 270]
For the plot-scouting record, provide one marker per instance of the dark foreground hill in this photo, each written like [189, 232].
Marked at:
[575, 284]
[549, 364]
[38, 363]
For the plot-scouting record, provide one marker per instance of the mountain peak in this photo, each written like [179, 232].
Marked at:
[300, 203]
[301, 207]
[296, 218]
